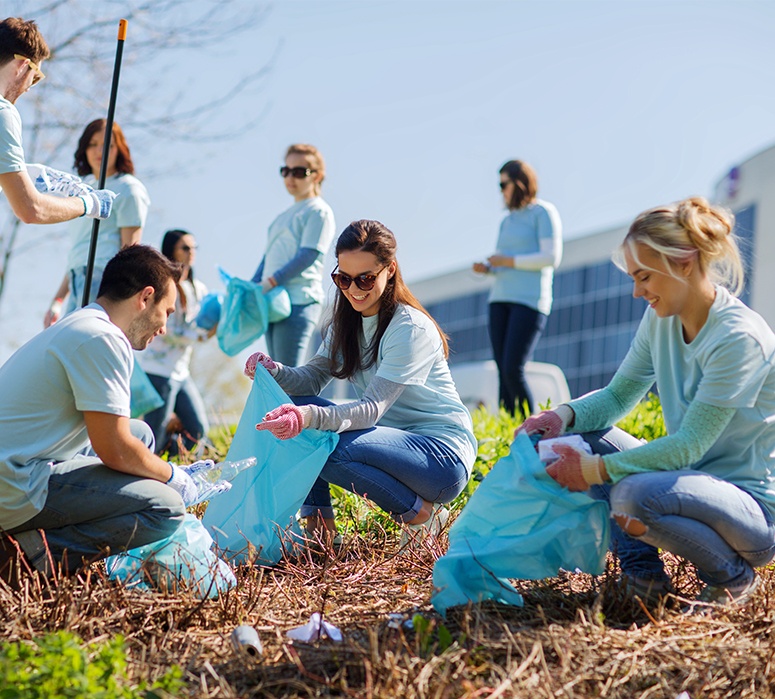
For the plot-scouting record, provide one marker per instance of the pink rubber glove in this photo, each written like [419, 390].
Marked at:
[259, 358]
[548, 423]
[284, 422]
[575, 469]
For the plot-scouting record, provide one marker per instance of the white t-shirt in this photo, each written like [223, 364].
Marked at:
[307, 224]
[130, 209]
[411, 354]
[169, 355]
[11, 151]
[83, 362]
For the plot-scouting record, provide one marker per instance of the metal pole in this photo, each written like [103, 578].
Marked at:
[105, 152]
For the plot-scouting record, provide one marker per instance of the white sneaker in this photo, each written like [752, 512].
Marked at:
[415, 535]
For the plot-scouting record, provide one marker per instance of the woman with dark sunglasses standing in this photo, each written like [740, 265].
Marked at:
[408, 441]
[528, 250]
[167, 360]
[298, 240]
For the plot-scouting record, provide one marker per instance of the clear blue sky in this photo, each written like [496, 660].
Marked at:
[620, 105]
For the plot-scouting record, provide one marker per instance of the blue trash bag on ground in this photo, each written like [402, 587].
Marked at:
[183, 558]
[259, 510]
[246, 313]
[143, 396]
[518, 524]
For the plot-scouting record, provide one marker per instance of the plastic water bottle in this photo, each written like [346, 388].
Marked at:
[213, 479]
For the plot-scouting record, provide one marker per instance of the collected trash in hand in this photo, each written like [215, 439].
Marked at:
[212, 479]
[546, 447]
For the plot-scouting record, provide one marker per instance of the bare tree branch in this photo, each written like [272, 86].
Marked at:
[164, 38]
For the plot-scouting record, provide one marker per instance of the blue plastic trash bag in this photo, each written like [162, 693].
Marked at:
[144, 397]
[518, 524]
[210, 310]
[184, 556]
[246, 313]
[261, 506]
[279, 304]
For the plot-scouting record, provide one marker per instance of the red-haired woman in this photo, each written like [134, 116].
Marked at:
[408, 442]
[123, 227]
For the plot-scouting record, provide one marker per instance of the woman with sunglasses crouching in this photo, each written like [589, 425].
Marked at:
[298, 240]
[528, 250]
[408, 441]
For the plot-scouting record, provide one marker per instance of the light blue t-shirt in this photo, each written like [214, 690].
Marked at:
[411, 354]
[11, 151]
[521, 233]
[307, 224]
[82, 362]
[730, 364]
[130, 209]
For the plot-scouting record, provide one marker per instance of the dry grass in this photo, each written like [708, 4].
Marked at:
[576, 636]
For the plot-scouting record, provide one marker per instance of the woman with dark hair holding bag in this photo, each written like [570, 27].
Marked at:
[529, 249]
[167, 360]
[408, 441]
[122, 228]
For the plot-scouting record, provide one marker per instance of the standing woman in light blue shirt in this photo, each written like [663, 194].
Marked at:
[298, 241]
[408, 441]
[706, 491]
[528, 250]
[122, 228]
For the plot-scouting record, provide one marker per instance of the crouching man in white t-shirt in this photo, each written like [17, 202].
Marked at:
[79, 479]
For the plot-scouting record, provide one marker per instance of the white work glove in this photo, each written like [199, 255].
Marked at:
[206, 489]
[50, 181]
[184, 485]
[98, 203]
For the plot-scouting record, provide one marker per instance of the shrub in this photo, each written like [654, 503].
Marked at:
[59, 665]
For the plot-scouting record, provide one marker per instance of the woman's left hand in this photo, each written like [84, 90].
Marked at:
[500, 261]
[285, 422]
[575, 469]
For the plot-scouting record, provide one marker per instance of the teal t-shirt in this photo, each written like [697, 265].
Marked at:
[130, 209]
[521, 233]
[82, 362]
[307, 224]
[411, 354]
[730, 364]
[11, 151]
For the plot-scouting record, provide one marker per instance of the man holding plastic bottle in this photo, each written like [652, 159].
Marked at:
[78, 478]
[22, 52]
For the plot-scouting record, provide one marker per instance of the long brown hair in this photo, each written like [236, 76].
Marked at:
[123, 157]
[525, 183]
[375, 238]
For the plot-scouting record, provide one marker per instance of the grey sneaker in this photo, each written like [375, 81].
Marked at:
[650, 591]
[720, 596]
[414, 535]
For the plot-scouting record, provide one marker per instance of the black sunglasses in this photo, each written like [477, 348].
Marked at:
[188, 248]
[298, 173]
[365, 282]
[503, 185]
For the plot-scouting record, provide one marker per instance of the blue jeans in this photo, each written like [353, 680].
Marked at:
[183, 399]
[719, 527]
[287, 340]
[77, 284]
[92, 511]
[514, 333]
[395, 469]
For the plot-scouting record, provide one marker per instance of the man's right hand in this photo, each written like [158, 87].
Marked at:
[183, 484]
[98, 203]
